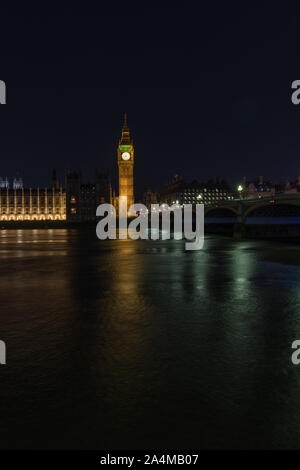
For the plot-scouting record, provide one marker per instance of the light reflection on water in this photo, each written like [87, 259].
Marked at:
[140, 344]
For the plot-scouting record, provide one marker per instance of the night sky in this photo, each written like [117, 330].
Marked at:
[207, 91]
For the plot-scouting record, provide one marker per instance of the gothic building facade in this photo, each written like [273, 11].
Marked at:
[125, 158]
[78, 201]
[27, 204]
[82, 199]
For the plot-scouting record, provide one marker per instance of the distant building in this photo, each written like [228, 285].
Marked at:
[4, 183]
[150, 198]
[82, 199]
[265, 188]
[18, 183]
[210, 192]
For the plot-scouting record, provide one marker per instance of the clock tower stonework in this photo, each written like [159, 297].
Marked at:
[125, 164]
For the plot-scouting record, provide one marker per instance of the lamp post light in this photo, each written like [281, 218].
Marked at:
[240, 190]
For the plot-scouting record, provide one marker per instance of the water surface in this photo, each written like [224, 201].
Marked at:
[139, 344]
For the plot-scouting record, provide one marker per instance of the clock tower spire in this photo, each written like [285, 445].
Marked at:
[125, 121]
[125, 164]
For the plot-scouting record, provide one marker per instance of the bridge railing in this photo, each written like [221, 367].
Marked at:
[270, 199]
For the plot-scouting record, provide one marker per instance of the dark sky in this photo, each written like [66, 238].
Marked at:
[207, 91]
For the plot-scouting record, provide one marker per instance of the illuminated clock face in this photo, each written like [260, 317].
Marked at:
[125, 156]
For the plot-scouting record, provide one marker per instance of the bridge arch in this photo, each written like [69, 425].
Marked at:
[223, 212]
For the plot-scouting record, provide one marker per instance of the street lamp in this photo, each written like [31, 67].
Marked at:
[240, 190]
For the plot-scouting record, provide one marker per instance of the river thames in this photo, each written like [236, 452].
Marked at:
[142, 345]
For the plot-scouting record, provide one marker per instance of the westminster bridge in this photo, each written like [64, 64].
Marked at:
[275, 216]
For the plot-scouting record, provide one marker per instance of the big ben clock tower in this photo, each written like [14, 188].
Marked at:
[125, 164]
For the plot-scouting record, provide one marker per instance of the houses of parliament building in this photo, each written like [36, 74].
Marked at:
[77, 201]
[27, 204]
